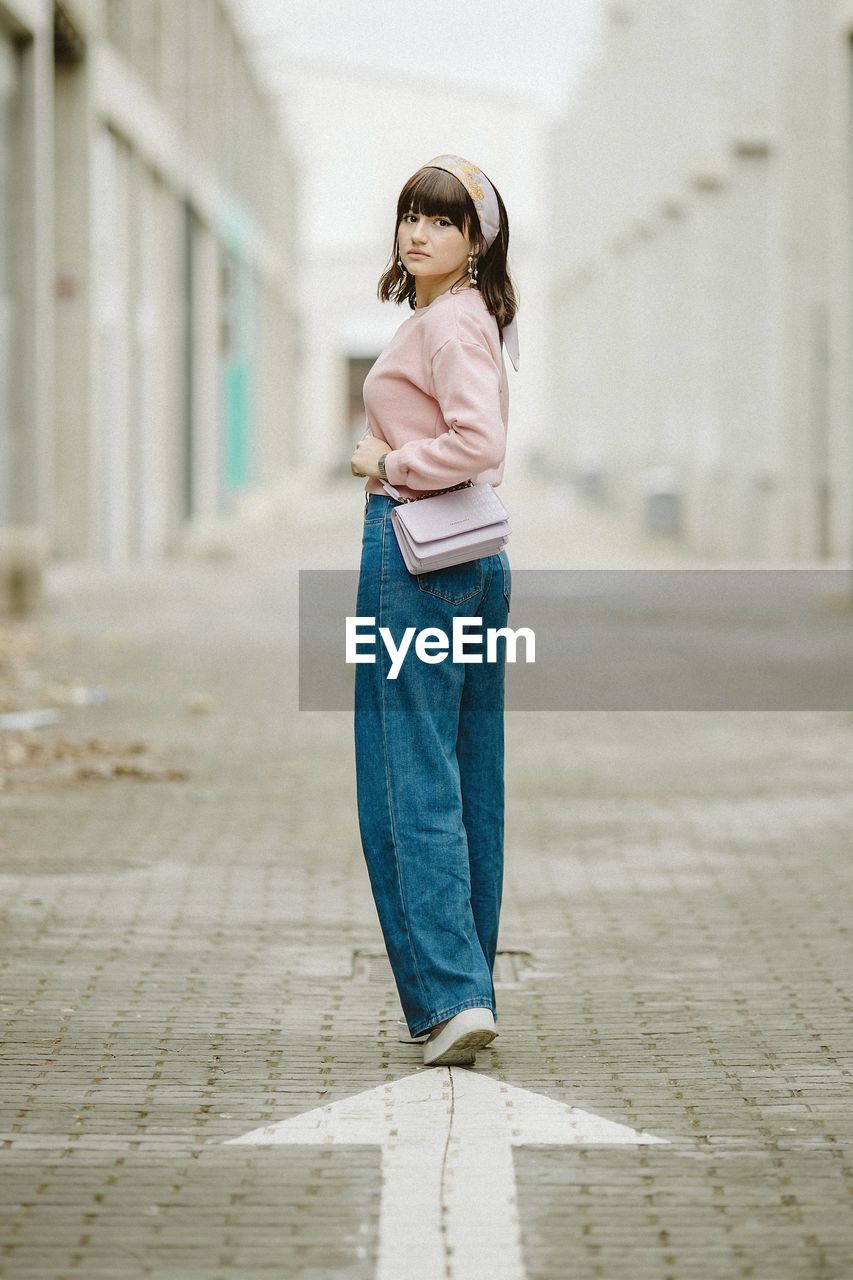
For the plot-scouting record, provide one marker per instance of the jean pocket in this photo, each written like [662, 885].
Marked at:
[455, 584]
[507, 578]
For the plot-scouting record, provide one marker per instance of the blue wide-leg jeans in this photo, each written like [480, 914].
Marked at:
[429, 752]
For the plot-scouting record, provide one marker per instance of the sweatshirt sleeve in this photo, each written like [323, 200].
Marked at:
[466, 382]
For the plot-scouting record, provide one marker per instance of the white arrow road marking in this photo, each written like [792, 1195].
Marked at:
[449, 1209]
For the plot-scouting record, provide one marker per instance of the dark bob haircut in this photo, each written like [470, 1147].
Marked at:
[433, 192]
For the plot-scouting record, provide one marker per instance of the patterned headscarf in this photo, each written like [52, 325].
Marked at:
[482, 193]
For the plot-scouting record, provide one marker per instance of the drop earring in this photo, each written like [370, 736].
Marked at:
[472, 268]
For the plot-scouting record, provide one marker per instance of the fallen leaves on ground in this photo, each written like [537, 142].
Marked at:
[35, 757]
[29, 756]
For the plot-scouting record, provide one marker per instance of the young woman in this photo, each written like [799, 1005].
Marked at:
[429, 744]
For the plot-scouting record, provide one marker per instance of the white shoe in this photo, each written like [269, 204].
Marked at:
[459, 1039]
[405, 1036]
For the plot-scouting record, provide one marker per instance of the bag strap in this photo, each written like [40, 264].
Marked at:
[395, 493]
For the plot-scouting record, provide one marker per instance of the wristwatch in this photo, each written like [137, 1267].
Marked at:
[381, 465]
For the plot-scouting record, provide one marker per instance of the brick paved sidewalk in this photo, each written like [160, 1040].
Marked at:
[186, 958]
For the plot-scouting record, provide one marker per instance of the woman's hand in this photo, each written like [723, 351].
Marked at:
[368, 451]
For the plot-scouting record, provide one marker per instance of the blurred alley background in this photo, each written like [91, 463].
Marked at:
[197, 201]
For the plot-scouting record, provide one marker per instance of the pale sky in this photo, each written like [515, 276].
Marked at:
[535, 48]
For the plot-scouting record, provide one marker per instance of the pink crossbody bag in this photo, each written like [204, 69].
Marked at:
[449, 527]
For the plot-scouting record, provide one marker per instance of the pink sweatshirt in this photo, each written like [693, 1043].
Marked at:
[438, 394]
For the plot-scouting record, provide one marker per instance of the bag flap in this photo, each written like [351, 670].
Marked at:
[462, 511]
[442, 546]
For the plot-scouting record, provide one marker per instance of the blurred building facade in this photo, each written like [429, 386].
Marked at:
[701, 275]
[148, 317]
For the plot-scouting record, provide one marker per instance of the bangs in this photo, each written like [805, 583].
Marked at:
[433, 192]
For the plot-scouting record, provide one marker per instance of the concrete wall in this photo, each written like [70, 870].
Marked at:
[147, 273]
[188, 272]
[26, 339]
[703, 275]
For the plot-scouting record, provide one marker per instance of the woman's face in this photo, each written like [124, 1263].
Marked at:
[443, 247]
